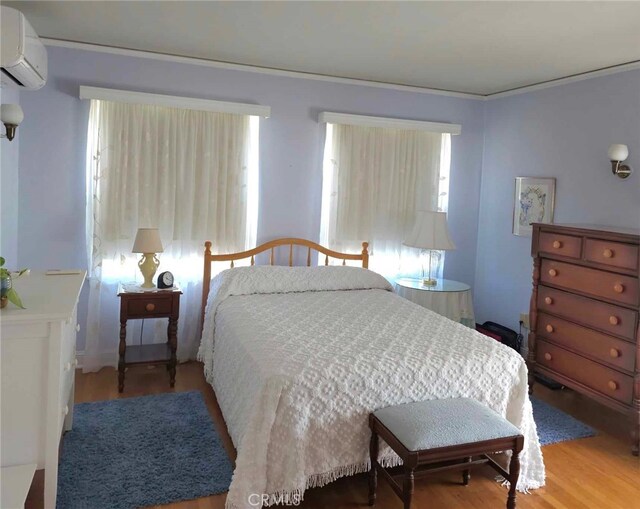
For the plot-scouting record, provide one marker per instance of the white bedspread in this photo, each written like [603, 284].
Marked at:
[299, 357]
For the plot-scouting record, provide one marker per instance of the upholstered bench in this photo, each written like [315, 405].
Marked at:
[444, 434]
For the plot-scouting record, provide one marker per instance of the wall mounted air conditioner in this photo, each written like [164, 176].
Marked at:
[23, 57]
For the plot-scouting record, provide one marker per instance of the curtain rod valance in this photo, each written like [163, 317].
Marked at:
[172, 101]
[392, 123]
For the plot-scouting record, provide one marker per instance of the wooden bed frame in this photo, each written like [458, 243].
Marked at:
[271, 245]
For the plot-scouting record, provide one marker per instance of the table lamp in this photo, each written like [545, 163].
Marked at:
[148, 243]
[429, 232]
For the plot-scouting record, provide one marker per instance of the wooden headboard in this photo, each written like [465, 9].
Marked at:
[270, 246]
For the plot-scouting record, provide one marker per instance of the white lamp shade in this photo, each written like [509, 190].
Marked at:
[147, 241]
[618, 152]
[11, 114]
[430, 231]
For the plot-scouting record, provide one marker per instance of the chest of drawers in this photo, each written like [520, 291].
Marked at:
[38, 351]
[584, 314]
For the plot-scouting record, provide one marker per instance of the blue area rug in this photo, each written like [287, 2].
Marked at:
[556, 426]
[135, 452]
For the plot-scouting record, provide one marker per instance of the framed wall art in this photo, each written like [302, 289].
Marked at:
[534, 203]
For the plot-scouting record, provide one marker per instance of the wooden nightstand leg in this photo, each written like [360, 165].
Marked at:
[168, 366]
[122, 348]
[172, 332]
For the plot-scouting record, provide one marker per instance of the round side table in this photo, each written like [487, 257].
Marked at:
[447, 298]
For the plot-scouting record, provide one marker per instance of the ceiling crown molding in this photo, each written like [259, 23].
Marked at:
[251, 68]
[166, 57]
[629, 66]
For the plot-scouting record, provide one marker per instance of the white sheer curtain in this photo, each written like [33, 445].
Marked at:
[194, 175]
[374, 180]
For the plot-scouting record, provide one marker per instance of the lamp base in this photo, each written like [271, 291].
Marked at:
[621, 170]
[426, 274]
[148, 266]
[10, 131]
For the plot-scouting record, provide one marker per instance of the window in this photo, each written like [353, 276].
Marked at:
[193, 174]
[374, 180]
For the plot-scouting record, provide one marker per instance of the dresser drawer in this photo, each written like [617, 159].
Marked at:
[68, 356]
[602, 379]
[589, 312]
[615, 254]
[599, 283]
[601, 347]
[65, 409]
[67, 375]
[149, 306]
[68, 343]
[564, 245]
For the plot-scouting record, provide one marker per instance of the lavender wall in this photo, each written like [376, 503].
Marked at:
[561, 132]
[52, 150]
[9, 153]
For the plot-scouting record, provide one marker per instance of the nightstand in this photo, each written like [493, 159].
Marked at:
[447, 298]
[136, 303]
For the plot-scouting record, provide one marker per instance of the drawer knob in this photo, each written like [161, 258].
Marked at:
[67, 366]
[547, 356]
[548, 300]
[614, 320]
[613, 385]
[557, 244]
[65, 410]
[150, 306]
[77, 327]
[553, 272]
[549, 328]
[614, 353]
[618, 288]
[75, 363]
[607, 253]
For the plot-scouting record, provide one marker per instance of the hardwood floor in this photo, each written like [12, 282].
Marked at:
[597, 472]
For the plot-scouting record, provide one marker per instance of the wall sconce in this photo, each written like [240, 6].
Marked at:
[617, 154]
[10, 115]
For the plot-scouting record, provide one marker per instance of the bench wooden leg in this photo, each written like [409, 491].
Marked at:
[373, 473]
[514, 473]
[466, 474]
[407, 488]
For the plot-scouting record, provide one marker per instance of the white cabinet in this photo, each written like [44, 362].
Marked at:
[37, 351]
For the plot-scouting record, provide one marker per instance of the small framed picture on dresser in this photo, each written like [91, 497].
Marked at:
[534, 202]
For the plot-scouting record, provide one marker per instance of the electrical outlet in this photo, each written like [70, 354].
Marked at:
[524, 318]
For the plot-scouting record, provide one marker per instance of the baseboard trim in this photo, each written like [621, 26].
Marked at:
[105, 360]
[80, 359]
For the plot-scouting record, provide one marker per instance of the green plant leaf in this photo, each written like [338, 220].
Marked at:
[14, 298]
[1, 261]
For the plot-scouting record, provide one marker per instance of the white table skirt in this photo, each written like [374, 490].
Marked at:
[457, 306]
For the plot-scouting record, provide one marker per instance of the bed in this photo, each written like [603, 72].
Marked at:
[299, 356]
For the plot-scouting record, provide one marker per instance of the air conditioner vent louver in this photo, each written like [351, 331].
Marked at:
[23, 57]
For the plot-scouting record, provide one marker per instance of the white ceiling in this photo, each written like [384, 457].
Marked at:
[475, 47]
